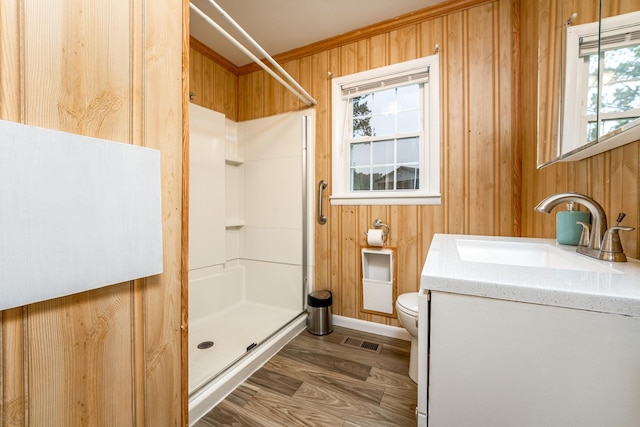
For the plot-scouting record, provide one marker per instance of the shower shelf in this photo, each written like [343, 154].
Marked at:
[234, 223]
[234, 162]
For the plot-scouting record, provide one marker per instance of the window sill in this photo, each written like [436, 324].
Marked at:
[400, 199]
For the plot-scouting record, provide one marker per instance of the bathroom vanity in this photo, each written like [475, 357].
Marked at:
[518, 331]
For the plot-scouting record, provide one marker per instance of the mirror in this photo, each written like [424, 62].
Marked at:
[588, 77]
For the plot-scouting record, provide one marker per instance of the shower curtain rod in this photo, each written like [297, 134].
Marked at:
[300, 92]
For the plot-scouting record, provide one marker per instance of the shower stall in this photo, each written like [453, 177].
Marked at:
[250, 245]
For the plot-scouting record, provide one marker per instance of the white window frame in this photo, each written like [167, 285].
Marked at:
[429, 193]
[576, 74]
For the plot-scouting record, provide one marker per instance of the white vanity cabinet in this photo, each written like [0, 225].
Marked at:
[504, 363]
[507, 343]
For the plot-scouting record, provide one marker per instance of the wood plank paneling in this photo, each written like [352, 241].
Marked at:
[611, 178]
[10, 64]
[208, 83]
[481, 181]
[489, 179]
[291, 102]
[403, 44]
[508, 119]
[111, 356]
[455, 121]
[215, 86]
[13, 368]
[13, 351]
[72, 337]
[476, 46]
[377, 55]
[196, 76]
[163, 130]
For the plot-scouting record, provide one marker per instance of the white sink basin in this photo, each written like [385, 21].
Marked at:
[530, 270]
[528, 254]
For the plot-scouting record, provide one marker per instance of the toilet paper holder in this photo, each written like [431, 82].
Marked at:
[377, 223]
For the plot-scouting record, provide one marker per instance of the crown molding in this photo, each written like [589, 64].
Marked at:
[411, 18]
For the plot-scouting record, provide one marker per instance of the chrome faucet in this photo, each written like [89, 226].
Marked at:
[596, 241]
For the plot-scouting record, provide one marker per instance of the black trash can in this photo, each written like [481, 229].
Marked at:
[319, 320]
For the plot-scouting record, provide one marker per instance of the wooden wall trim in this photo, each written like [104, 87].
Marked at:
[376, 29]
[205, 50]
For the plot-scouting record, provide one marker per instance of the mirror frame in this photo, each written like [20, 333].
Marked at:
[553, 17]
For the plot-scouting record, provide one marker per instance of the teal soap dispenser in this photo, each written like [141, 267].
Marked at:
[568, 231]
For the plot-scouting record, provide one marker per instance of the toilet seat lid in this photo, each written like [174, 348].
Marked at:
[409, 301]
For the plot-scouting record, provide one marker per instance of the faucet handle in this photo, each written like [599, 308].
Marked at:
[586, 230]
[611, 249]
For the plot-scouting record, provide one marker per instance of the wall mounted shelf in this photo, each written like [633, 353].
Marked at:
[233, 162]
[234, 223]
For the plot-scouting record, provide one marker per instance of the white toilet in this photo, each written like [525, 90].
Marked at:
[407, 309]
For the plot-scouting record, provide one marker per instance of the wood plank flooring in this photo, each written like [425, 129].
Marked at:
[317, 381]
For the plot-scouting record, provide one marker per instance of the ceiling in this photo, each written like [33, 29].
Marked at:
[282, 25]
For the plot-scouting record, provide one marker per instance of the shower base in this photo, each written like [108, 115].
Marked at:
[215, 371]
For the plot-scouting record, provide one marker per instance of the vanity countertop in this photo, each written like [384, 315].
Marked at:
[601, 286]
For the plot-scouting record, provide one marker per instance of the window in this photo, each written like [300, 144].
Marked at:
[386, 136]
[602, 79]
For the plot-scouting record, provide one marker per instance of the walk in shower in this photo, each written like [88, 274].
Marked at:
[250, 245]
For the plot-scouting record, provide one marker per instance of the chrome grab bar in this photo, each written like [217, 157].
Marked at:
[321, 218]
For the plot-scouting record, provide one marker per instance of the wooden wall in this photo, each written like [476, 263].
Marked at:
[111, 70]
[479, 172]
[213, 81]
[611, 178]
[490, 183]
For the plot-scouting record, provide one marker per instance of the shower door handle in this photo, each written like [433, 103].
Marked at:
[321, 218]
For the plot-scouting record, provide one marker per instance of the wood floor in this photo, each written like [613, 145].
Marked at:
[317, 381]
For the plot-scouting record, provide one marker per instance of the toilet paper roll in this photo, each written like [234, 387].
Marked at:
[375, 237]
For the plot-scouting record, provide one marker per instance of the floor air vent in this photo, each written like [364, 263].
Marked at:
[373, 347]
